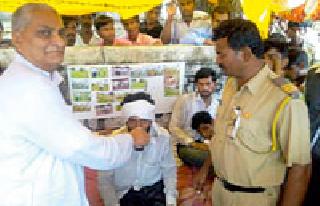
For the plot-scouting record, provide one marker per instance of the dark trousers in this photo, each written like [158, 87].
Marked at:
[313, 193]
[147, 196]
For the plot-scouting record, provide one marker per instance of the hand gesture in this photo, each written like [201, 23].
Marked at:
[171, 10]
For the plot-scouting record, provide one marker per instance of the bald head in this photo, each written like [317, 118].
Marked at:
[22, 16]
[38, 35]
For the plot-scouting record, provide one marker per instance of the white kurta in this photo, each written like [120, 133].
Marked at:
[43, 148]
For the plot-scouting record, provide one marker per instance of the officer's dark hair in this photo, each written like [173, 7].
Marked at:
[205, 72]
[1, 26]
[202, 117]
[240, 33]
[137, 96]
[101, 21]
[277, 42]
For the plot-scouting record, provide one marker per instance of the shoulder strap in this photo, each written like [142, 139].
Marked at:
[287, 87]
[275, 121]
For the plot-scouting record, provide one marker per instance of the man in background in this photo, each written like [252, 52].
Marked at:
[191, 29]
[70, 24]
[312, 96]
[134, 36]
[218, 15]
[85, 32]
[276, 54]
[105, 29]
[189, 104]
[197, 151]
[152, 26]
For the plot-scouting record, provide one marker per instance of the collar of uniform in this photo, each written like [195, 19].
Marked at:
[53, 76]
[254, 84]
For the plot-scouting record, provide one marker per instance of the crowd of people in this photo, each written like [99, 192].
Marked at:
[259, 137]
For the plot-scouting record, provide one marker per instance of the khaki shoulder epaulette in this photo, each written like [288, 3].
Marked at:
[287, 87]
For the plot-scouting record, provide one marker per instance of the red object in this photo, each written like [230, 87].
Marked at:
[187, 195]
[296, 15]
[91, 187]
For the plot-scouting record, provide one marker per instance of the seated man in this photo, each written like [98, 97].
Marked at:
[189, 104]
[194, 28]
[196, 152]
[105, 29]
[149, 177]
[132, 26]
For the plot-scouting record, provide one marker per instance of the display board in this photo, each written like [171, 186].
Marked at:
[96, 91]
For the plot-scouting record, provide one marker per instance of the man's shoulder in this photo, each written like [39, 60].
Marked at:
[21, 77]
[186, 99]
[285, 86]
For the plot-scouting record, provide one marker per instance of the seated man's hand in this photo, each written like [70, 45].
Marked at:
[140, 136]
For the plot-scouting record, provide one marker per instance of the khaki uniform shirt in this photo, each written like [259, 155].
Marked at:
[247, 159]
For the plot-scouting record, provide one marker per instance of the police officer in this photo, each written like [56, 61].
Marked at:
[260, 148]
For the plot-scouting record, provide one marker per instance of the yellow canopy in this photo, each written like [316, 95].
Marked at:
[260, 12]
[125, 8]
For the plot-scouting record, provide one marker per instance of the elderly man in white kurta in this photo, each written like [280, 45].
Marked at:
[43, 149]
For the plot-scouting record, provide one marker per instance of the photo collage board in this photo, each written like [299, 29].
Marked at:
[96, 91]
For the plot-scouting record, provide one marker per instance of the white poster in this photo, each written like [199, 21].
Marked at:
[96, 91]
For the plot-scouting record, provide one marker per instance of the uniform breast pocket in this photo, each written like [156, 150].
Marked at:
[254, 136]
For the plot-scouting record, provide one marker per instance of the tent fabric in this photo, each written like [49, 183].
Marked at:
[125, 9]
[261, 13]
[308, 11]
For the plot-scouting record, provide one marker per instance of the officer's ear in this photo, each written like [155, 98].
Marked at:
[246, 54]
